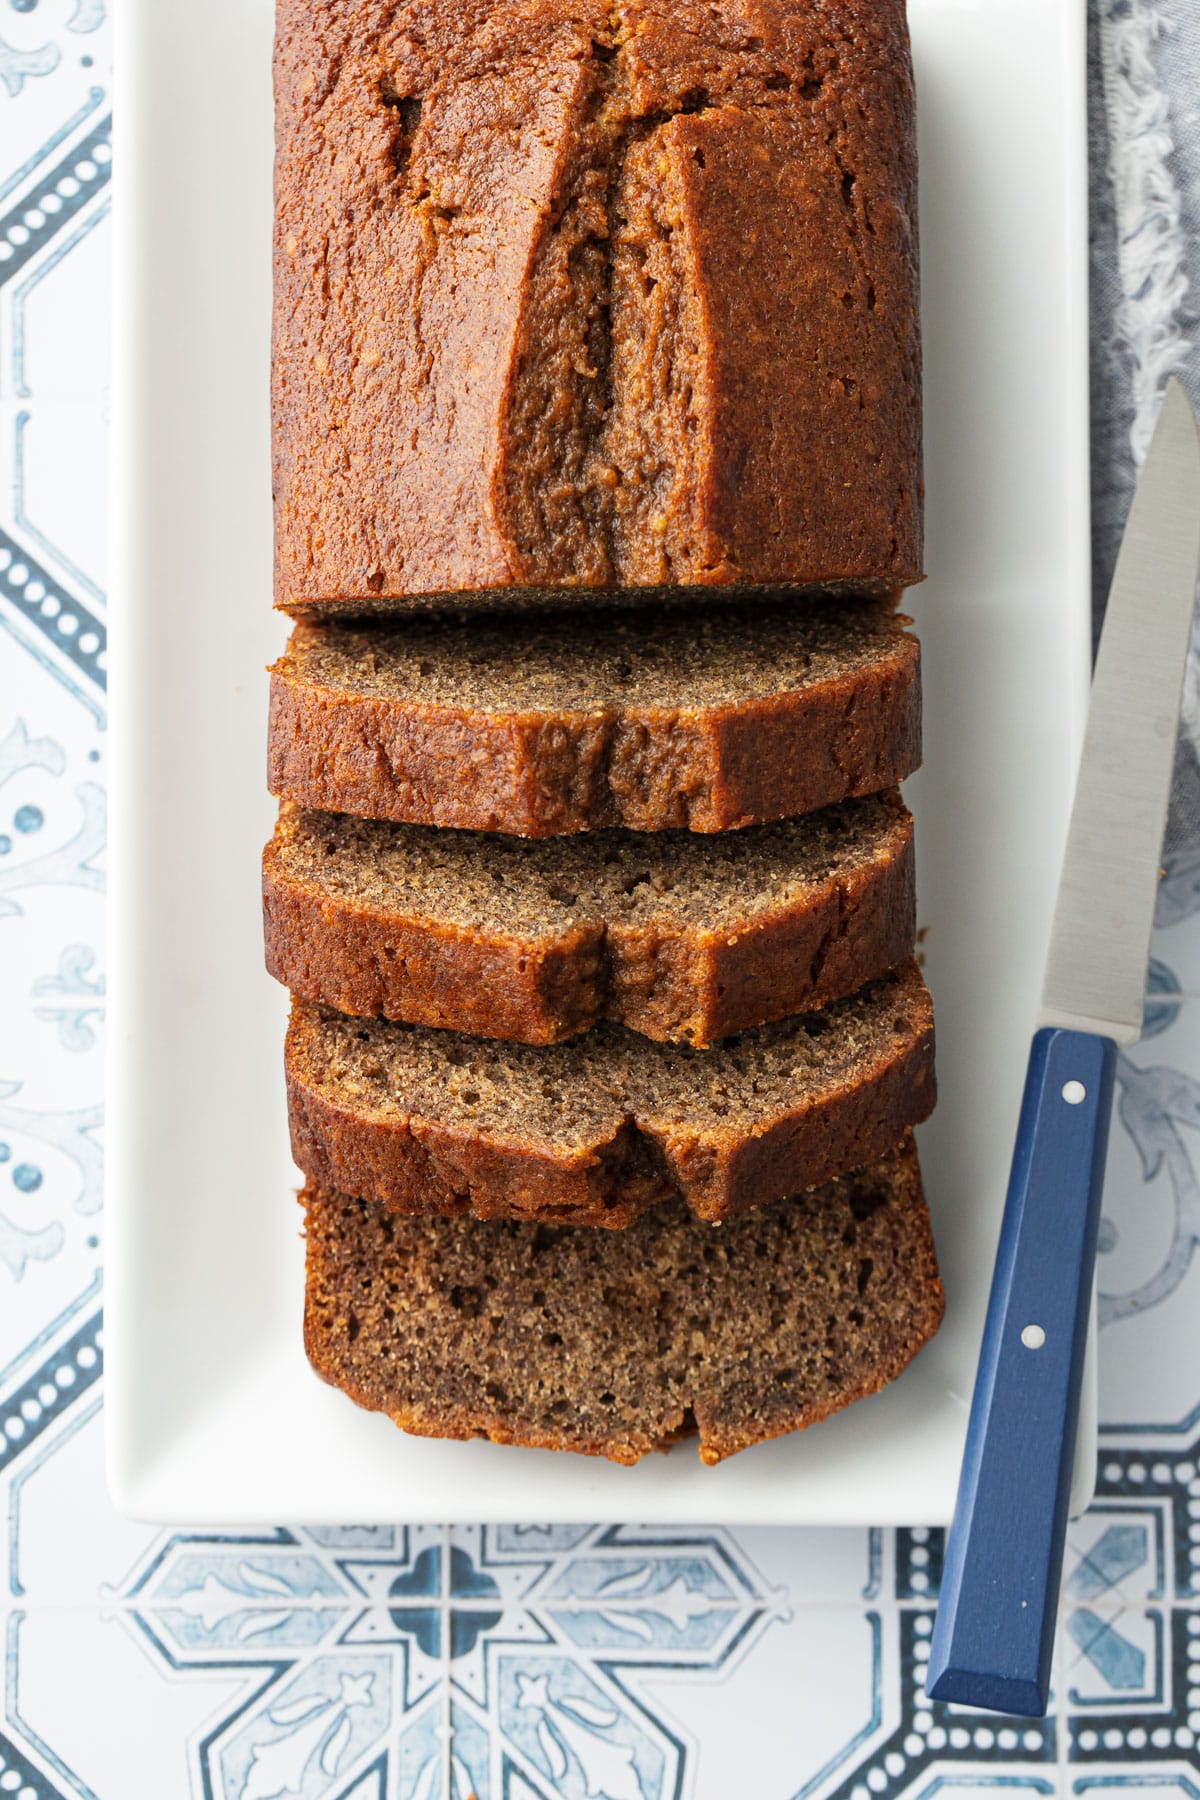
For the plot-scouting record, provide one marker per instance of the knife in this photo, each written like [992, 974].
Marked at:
[994, 1632]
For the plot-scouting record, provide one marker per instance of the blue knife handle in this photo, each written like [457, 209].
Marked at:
[999, 1594]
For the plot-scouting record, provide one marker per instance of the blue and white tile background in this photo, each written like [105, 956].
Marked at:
[513, 1662]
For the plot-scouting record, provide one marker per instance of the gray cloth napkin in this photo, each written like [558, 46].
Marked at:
[1144, 142]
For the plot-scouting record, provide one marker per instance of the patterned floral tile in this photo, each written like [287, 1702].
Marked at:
[1176, 948]
[65, 1544]
[1117, 1783]
[87, 1710]
[1149, 1275]
[530, 1662]
[51, 897]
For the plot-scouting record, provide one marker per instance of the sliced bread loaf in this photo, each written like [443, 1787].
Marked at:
[568, 723]
[616, 1343]
[677, 936]
[595, 1131]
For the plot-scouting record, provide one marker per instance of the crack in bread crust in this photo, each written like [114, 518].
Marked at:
[684, 938]
[556, 726]
[618, 1343]
[434, 1121]
[584, 295]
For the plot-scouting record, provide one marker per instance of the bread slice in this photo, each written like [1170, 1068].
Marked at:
[676, 936]
[616, 1343]
[593, 1132]
[578, 295]
[545, 726]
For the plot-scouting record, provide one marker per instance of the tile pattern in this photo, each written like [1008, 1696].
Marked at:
[531, 1662]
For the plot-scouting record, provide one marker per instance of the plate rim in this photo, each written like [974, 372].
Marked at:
[144, 1491]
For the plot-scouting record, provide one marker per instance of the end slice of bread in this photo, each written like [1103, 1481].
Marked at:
[618, 1343]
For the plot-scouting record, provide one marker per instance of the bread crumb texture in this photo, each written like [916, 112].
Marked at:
[618, 1343]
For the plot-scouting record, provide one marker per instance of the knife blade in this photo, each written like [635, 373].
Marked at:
[994, 1631]
[1100, 940]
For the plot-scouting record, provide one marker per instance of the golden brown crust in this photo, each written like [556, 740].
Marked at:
[459, 1331]
[579, 302]
[593, 294]
[426, 1166]
[650, 768]
[669, 978]
[633, 1148]
[369, 963]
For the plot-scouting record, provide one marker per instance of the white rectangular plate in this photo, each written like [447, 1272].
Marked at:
[213, 1412]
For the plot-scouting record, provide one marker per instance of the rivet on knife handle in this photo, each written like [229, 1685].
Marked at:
[995, 1625]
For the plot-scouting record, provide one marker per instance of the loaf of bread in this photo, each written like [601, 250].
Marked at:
[595, 295]
[676, 936]
[594, 1131]
[548, 725]
[616, 1343]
